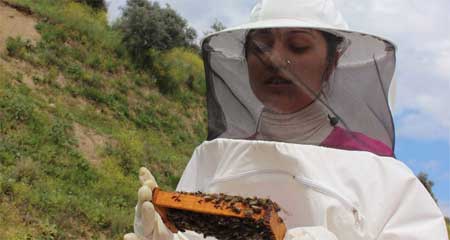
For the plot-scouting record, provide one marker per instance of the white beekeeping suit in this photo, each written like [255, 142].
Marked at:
[355, 195]
[329, 164]
[324, 193]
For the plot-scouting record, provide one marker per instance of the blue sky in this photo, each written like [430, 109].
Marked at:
[431, 157]
[420, 31]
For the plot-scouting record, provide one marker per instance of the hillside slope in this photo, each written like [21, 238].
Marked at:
[14, 23]
[76, 122]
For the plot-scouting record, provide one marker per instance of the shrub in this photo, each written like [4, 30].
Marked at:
[146, 118]
[76, 72]
[96, 4]
[93, 80]
[16, 108]
[17, 47]
[49, 78]
[110, 65]
[177, 68]
[27, 170]
[130, 151]
[142, 79]
[51, 33]
[146, 25]
[119, 104]
[93, 60]
[94, 94]
[59, 133]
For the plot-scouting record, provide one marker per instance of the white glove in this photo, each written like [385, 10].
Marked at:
[309, 233]
[148, 225]
[147, 222]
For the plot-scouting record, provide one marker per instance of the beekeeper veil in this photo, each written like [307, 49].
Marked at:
[296, 65]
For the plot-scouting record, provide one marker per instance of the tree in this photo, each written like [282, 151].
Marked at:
[428, 184]
[215, 27]
[145, 25]
[96, 4]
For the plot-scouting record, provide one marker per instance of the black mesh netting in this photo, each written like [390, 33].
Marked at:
[355, 92]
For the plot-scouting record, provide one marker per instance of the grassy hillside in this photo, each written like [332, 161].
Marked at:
[76, 122]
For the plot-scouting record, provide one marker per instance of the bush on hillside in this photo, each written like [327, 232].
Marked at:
[96, 4]
[178, 68]
[17, 47]
[146, 25]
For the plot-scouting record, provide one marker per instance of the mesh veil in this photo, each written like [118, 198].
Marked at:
[356, 93]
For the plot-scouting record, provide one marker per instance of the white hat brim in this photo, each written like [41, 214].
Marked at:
[294, 23]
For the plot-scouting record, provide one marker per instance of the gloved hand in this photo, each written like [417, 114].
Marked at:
[147, 222]
[148, 225]
[309, 233]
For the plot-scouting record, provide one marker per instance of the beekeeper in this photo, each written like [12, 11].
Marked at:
[298, 111]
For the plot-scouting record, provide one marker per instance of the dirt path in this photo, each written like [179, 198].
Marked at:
[14, 23]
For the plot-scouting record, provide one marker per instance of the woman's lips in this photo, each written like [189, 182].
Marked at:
[277, 82]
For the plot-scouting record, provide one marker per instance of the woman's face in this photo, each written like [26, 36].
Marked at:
[281, 61]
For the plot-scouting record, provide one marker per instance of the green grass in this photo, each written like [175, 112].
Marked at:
[44, 174]
[447, 222]
[49, 189]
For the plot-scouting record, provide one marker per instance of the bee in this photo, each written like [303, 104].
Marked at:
[235, 209]
[256, 209]
[208, 198]
[248, 213]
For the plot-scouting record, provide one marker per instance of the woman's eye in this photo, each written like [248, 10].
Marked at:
[264, 48]
[260, 47]
[299, 49]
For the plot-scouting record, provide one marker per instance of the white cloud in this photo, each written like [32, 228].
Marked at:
[442, 59]
[419, 29]
[114, 8]
[417, 125]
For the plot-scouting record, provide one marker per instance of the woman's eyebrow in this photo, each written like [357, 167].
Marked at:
[261, 32]
[301, 31]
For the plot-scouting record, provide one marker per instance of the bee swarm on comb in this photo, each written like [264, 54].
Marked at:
[219, 215]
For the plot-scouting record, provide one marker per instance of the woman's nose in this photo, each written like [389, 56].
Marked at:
[278, 60]
[276, 57]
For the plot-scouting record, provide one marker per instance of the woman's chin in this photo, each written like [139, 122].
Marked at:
[279, 87]
[283, 102]
[283, 107]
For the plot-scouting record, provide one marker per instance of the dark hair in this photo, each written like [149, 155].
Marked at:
[333, 42]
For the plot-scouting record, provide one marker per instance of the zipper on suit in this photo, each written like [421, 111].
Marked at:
[333, 194]
[318, 187]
